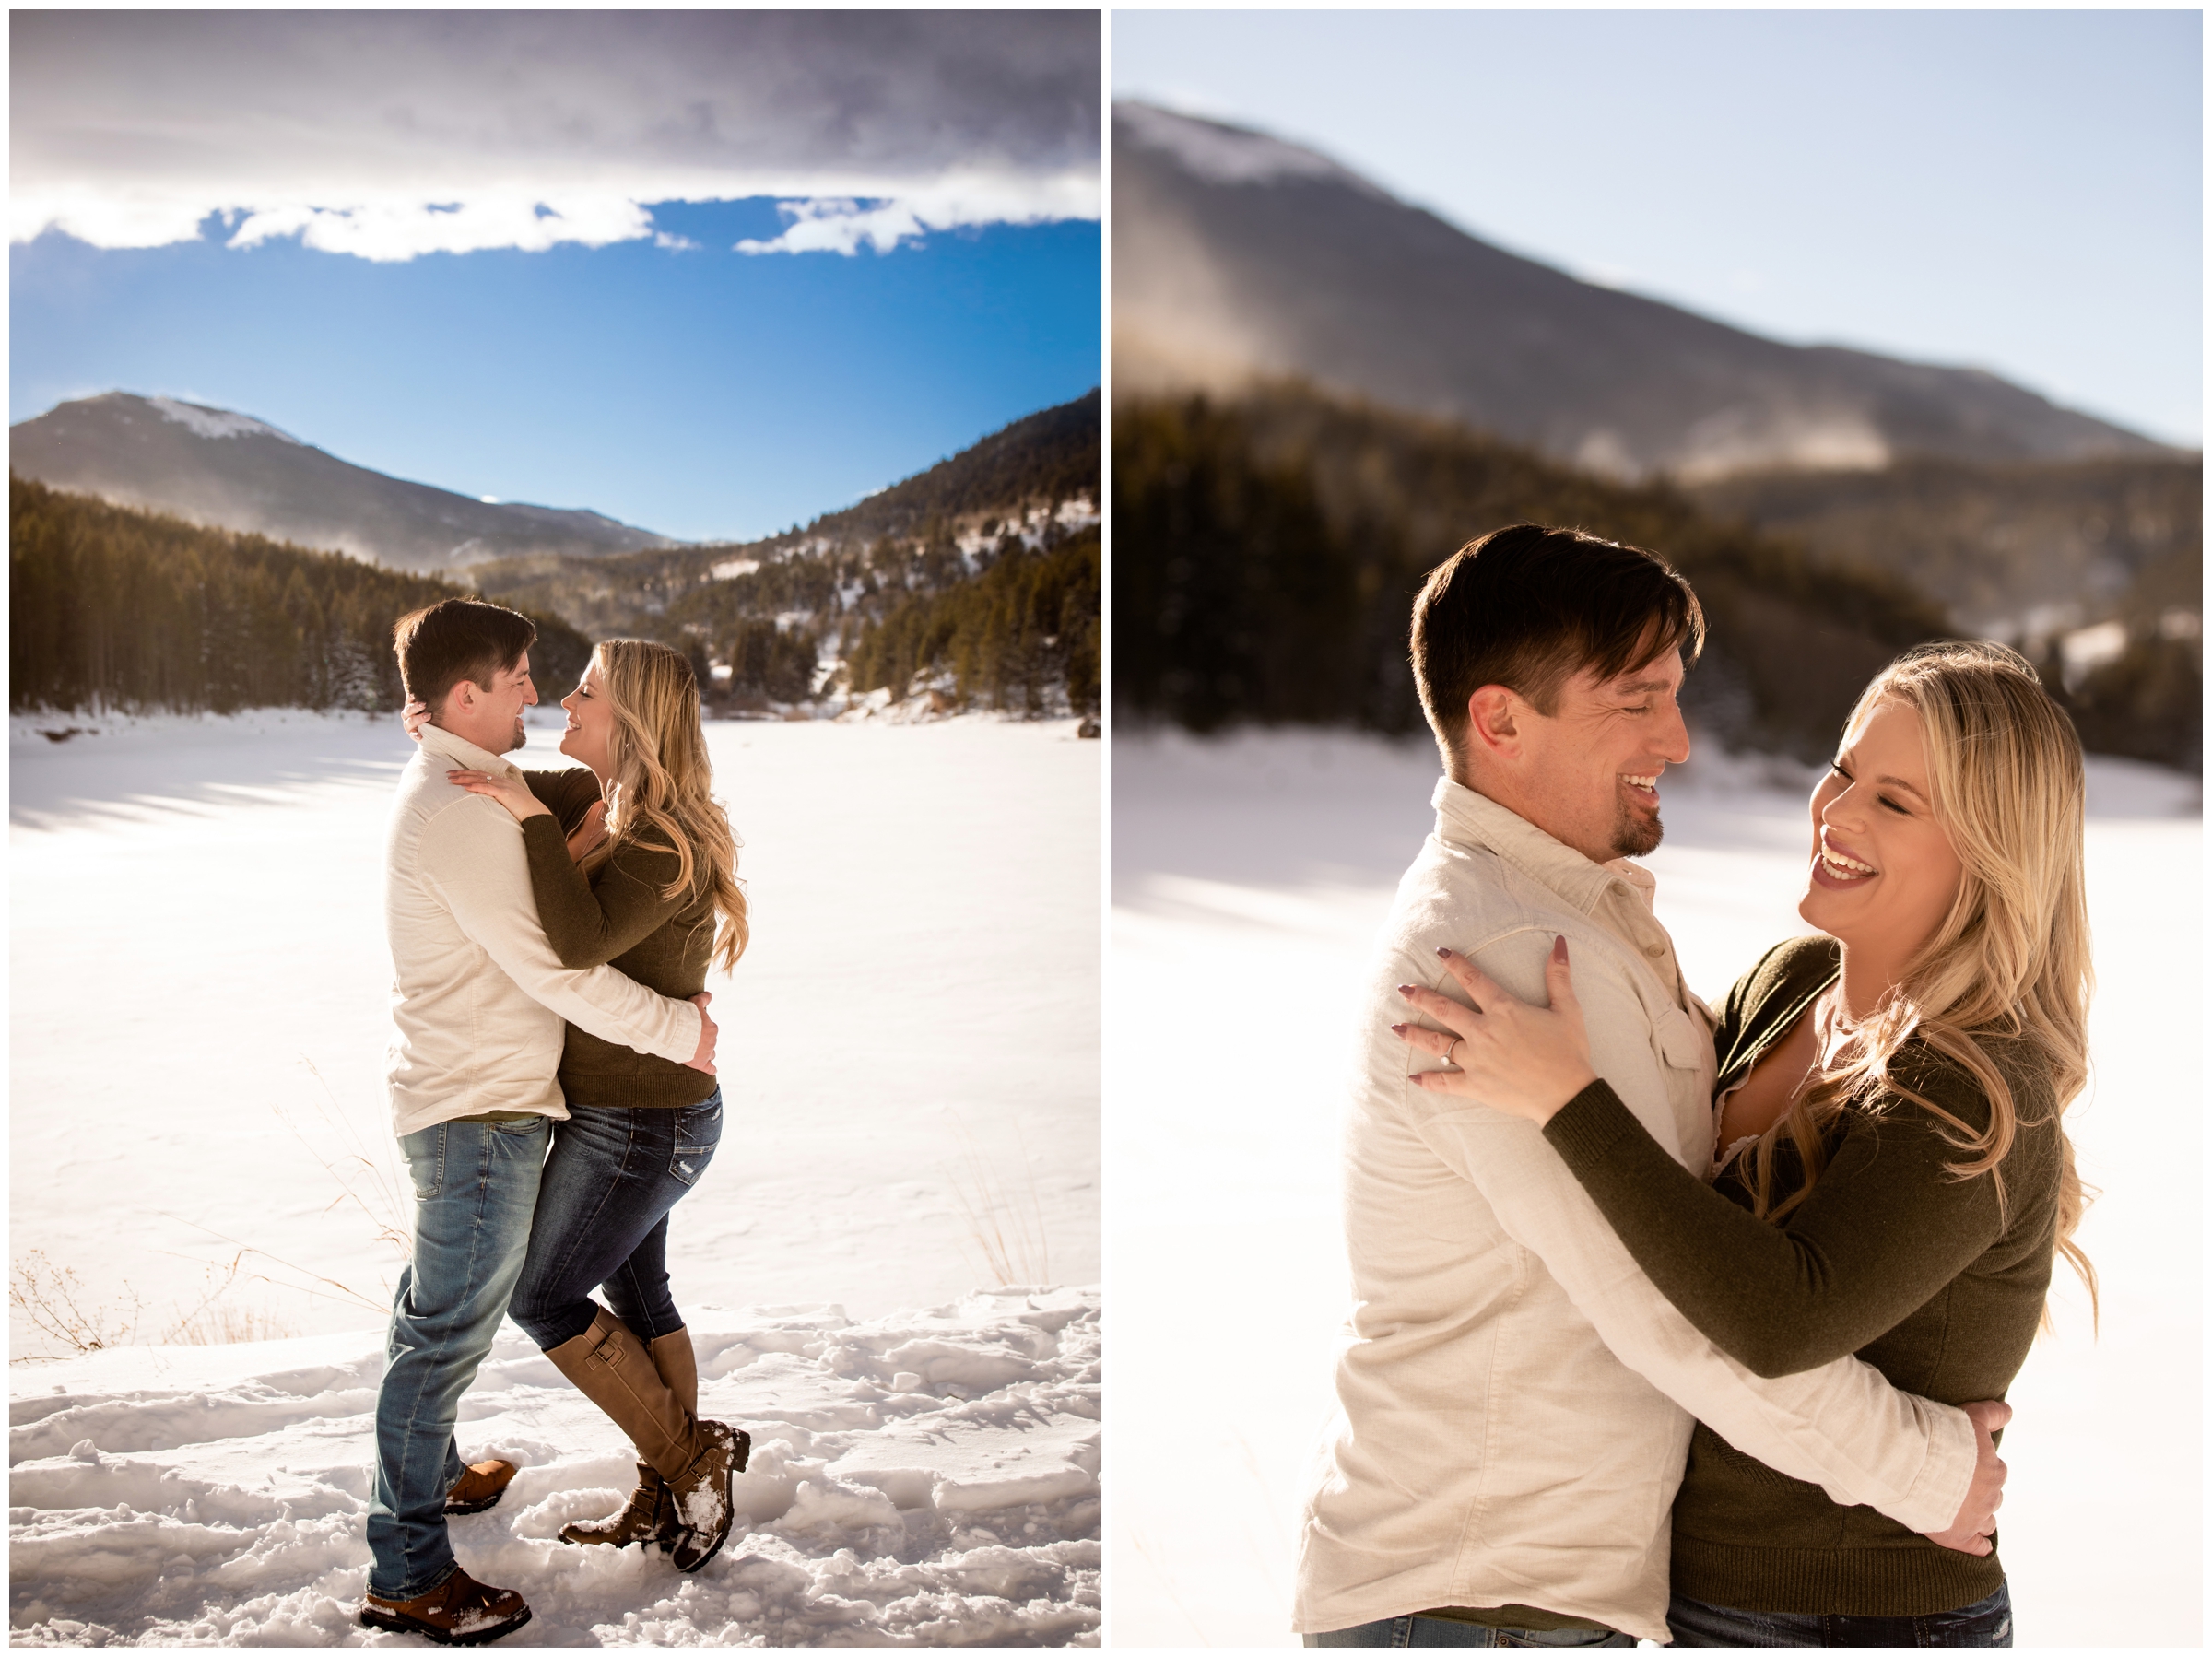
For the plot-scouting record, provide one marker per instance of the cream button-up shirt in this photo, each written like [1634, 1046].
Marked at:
[1515, 1398]
[478, 997]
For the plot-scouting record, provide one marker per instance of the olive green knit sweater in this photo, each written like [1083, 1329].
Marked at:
[618, 917]
[1933, 1280]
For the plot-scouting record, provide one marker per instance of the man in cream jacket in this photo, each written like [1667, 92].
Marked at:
[479, 1000]
[1515, 1398]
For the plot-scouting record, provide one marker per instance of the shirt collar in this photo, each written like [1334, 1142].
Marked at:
[436, 739]
[1466, 817]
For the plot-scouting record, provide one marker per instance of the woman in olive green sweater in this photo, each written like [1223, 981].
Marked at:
[633, 864]
[1890, 1177]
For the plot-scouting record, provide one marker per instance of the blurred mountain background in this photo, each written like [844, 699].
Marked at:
[1320, 392]
[167, 554]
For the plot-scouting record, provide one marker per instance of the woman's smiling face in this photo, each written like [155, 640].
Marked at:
[589, 738]
[1883, 870]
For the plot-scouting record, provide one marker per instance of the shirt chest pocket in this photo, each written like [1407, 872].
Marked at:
[1685, 1044]
[1680, 1041]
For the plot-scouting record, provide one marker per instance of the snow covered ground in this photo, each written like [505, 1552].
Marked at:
[198, 1135]
[1249, 875]
[214, 1495]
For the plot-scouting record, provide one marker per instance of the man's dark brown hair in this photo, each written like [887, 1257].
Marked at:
[1528, 607]
[458, 639]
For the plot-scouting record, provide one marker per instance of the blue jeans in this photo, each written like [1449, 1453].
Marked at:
[603, 1218]
[475, 1186]
[1985, 1623]
[1418, 1630]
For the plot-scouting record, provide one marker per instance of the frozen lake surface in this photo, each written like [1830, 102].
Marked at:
[1249, 877]
[909, 1053]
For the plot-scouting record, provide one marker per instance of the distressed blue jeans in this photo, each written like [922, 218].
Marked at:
[475, 1187]
[602, 1217]
[1985, 1623]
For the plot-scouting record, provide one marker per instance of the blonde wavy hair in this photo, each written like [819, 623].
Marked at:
[658, 779]
[2010, 962]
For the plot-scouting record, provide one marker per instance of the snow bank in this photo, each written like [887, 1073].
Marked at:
[183, 1496]
[1249, 877]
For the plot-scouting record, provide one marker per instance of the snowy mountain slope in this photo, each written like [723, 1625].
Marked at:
[234, 472]
[1032, 481]
[968, 548]
[928, 1477]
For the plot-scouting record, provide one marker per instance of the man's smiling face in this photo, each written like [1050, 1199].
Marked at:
[1590, 776]
[491, 716]
[511, 691]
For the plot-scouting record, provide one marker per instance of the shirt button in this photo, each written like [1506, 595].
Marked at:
[1655, 950]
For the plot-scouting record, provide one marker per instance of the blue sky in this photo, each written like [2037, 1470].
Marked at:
[500, 253]
[2015, 191]
[701, 393]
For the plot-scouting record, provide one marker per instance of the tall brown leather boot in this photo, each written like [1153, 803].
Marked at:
[611, 1367]
[649, 1517]
[677, 1365]
[688, 1548]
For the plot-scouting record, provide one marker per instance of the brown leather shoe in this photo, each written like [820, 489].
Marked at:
[481, 1487]
[460, 1611]
[648, 1517]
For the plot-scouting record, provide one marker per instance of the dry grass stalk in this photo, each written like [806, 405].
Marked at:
[1008, 1235]
[54, 1300]
[369, 1185]
[363, 1184]
[215, 1323]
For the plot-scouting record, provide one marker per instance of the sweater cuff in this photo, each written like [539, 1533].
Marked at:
[1589, 1125]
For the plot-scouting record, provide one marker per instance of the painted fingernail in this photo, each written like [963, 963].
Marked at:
[1404, 989]
[1442, 951]
[1398, 1029]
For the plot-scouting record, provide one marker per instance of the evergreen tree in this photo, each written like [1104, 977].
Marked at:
[111, 607]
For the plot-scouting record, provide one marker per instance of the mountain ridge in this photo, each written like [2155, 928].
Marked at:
[890, 587]
[227, 470]
[1240, 259]
[976, 579]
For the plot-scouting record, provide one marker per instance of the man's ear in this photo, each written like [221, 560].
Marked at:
[1493, 728]
[462, 698]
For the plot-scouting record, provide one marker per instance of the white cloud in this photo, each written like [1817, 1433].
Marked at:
[840, 227]
[390, 135]
[845, 225]
[401, 228]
